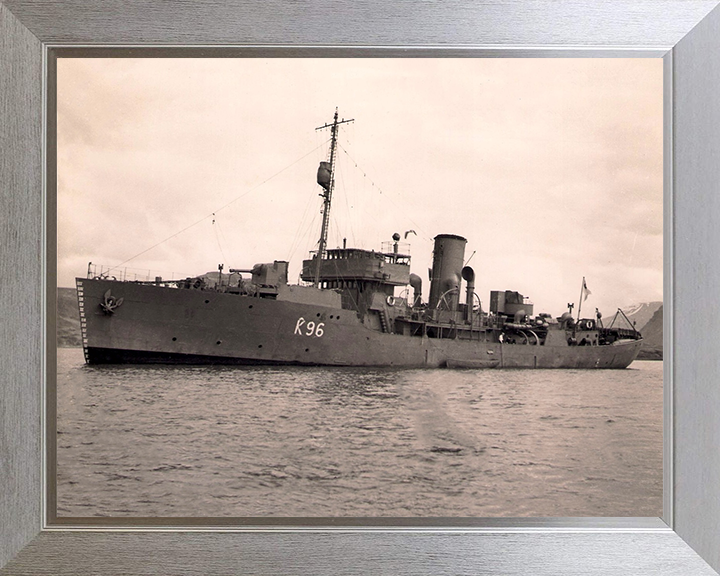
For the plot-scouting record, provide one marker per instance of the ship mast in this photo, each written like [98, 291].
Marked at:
[326, 179]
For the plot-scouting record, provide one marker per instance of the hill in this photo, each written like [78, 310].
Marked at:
[652, 332]
[68, 319]
[641, 314]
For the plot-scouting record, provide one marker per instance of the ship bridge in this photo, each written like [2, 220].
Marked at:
[358, 274]
[342, 266]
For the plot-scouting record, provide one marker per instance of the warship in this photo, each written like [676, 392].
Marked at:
[344, 312]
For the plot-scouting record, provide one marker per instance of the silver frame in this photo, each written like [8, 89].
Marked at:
[686, 33]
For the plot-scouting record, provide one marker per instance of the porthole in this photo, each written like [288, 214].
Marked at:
[207, 301]
[307, 349]
[318, 314]
[174, 339]
[259, 345]
[250, 306]
[218, 342]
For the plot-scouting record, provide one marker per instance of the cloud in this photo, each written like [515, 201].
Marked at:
[551, 168]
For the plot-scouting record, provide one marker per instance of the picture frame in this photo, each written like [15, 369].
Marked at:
[686, 34]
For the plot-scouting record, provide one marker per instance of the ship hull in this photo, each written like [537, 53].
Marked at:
[163, 325]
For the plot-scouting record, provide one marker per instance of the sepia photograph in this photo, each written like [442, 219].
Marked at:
[359, 288]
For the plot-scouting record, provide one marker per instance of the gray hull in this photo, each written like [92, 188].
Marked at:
[156, 324]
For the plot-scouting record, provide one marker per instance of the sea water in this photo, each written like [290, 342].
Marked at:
[193, 441]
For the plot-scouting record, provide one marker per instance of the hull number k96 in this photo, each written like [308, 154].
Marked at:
[309, 329]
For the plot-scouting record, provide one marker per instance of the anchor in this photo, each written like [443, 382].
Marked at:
[110, 303]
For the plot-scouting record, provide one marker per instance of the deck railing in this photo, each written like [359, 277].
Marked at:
[125, 274]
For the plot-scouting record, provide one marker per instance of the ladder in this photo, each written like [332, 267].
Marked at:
[384, 321]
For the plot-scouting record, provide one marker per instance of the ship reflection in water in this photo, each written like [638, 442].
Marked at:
[184, 441]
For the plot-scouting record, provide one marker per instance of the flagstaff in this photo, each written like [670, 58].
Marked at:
[583, 292]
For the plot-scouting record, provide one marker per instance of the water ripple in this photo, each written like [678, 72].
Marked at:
[266, 441]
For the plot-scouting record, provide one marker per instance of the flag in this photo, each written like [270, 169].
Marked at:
[585, 290]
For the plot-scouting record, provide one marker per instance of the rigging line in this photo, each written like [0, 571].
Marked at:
[300, 232]
[218, 210]
[270, 178]
[345, 187]
[216, 229]
[336, 230]
[222, 233]
[381, 191]
[304, 235]
[308, 234]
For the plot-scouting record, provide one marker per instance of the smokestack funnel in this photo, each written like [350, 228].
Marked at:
[448, 256]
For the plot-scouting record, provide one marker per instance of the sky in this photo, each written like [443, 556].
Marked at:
[551, 168]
